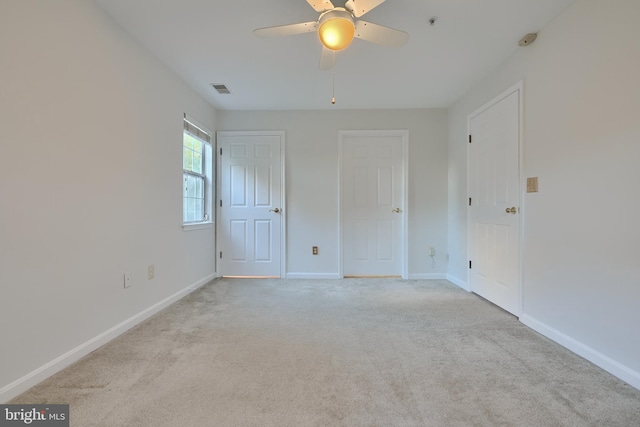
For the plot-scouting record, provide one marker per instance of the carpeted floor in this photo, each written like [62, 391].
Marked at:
[336, 353]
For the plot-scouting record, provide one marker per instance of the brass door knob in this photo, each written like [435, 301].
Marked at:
[512, 210]
[396, 210]
[276, 210]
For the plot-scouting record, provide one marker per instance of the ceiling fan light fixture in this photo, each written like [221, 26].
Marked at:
[336, 29]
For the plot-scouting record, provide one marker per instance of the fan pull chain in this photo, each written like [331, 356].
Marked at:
[333, 89]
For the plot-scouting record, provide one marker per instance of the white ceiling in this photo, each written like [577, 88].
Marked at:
[211, 41]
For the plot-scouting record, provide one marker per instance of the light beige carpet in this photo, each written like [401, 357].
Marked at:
[336, 353]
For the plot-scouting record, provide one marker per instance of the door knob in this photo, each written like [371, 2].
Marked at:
[396, 210]
[276, 210]
[512, 210]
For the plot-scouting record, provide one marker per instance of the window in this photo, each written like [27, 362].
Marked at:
[197, 174]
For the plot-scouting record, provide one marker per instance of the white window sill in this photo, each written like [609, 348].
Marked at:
[197, 226]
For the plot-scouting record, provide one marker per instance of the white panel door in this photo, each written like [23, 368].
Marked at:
[251, 203]
[373, 203]
[494, 240]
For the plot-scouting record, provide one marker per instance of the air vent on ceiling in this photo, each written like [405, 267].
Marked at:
[220, 88]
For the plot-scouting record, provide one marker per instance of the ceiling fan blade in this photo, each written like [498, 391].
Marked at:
[286, 30]
[321, 5]
[360, 7]
[379, 34]
[327, 59]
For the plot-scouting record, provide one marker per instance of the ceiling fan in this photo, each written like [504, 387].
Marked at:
[337, 26]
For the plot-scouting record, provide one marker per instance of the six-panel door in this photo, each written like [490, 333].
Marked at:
[251, 209]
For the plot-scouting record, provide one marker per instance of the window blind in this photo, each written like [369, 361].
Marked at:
[196, 132]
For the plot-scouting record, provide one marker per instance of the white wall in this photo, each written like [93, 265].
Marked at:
[312, 181]
[90, 184]
[582, 139]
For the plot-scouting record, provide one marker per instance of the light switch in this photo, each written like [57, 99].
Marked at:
[532, 185]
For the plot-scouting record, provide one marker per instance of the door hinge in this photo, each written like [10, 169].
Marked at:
[469, 201]
[469, 262]
[469, 139]
[221, 151]
[220, 202]
[220, 254]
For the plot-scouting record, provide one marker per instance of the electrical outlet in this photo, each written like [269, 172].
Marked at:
[432, 251]
[151, 271]
[314, 250]
[127, 280]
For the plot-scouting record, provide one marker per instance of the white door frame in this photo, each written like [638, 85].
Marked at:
[519, 88]
[283, 200]
[404, 243]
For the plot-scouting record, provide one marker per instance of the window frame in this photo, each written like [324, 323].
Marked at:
[202, 134]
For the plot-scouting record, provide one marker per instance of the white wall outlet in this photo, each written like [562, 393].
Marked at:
[127, 280]
[432, 251]
[151, 272]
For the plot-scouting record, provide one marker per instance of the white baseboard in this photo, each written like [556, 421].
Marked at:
[325, 276]
[330, 276]
[427, 276]
[458, 282]
[23, 384]
[621, 371]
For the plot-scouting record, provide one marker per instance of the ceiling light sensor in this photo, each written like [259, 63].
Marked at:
[433, 20]
[528, 39]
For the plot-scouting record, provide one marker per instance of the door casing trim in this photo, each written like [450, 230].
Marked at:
[404, 241]
[283, 199]
[519, 88]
